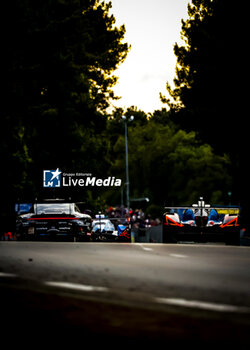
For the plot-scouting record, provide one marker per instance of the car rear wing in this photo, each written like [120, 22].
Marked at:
[202, 206]
[220, 210]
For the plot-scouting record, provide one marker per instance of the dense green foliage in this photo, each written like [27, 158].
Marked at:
[167, 164]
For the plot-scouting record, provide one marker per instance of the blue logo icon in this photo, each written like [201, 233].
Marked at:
[52, 178]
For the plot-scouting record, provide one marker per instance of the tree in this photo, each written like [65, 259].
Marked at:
[205, 83]
[59, 60]
[205, 96]
[171, 166]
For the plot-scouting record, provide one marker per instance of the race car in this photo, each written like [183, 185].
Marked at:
[103, 229]
[107, 229]
[201, 222]
[54, 220]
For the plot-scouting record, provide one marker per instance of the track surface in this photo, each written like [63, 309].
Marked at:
[118, 294]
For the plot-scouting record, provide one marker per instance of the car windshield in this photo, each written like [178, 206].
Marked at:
[54, 208]
[99, 223]
[105, 225]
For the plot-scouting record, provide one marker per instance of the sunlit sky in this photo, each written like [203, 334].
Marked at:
[152, 28]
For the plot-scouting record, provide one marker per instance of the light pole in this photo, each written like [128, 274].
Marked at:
[126, 151]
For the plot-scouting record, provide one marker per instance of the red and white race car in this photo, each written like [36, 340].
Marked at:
[52, 219]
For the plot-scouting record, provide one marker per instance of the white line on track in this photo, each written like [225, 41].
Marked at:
[76, 286]
[179, 256]
[145, 248]
[203, 305]
[5, 274]
[197, 304]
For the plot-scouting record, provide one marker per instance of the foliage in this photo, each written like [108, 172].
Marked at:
[203, 98]
[169, 165]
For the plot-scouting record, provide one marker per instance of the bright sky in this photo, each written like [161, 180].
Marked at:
[152, 28]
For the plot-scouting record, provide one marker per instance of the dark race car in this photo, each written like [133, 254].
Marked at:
[201, 222]
[54, 220]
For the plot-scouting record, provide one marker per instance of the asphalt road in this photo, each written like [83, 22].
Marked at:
[115, 293]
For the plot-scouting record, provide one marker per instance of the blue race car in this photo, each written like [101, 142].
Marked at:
[110, 229]
[201, 222]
